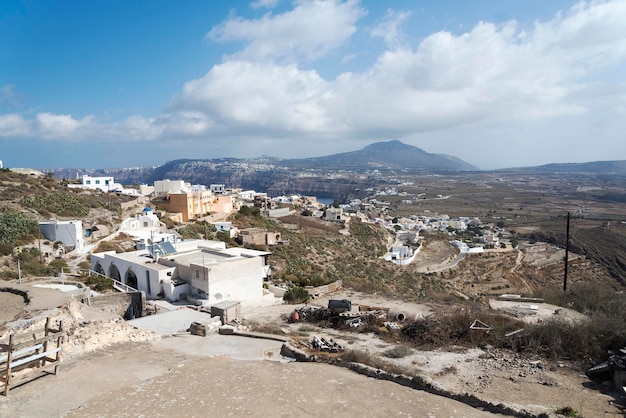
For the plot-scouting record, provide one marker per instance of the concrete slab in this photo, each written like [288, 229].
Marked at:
[171, 322]
[233, 346]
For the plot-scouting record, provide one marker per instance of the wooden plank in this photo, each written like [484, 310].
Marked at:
[34, 357]
[30, 375]
[39, 340]
[17, 353]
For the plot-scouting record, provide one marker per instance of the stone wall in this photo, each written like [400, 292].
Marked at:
[127, 305]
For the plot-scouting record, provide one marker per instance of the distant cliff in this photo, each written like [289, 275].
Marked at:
[339, 176]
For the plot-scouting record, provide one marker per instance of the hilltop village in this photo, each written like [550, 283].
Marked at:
[204, 271]
[388, 285]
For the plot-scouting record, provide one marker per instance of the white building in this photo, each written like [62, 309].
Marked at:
[163, 187]
[103, 183]
[401, 255]
[227, 227]
[70, 233]
[198, 270]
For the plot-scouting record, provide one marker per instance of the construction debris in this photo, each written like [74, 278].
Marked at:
[322, 344]
[481, 326]
[615, 367]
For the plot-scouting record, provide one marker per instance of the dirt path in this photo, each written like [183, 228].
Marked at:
[142, 380]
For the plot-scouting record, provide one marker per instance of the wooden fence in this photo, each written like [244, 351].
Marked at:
[30, 356]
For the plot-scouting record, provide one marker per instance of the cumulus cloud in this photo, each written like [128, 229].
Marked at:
[14, 125]
[242, 94]
[51, 125]
[489, 73]
[492, 75]
[309, 31]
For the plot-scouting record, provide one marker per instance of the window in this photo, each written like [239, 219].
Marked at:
[87, 181]
[145, 224]
[197, 274]
[97, 181]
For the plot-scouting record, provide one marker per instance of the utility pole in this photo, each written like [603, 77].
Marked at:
[566, 253]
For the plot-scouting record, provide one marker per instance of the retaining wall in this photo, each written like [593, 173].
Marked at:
[127, 305]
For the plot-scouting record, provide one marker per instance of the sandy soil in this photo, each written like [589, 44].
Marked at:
[140, 380]
[105, 375]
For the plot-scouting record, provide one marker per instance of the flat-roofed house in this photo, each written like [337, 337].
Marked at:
[201, 271]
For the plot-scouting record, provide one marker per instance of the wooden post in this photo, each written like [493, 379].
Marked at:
[59, 342]
[7, 377]
[45, 344]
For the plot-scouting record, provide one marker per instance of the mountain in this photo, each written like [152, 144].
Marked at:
[351, 171]
[595, 167]
[390, 155]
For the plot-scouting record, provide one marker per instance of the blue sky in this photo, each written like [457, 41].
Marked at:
[135, 83]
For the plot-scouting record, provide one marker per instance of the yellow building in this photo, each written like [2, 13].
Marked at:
[193, 205]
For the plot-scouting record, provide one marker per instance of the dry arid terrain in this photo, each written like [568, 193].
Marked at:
[110, 368]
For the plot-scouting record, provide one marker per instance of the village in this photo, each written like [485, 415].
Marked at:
[166, 287]
[165, 266]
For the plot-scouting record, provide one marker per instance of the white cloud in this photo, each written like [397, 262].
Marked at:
[309, 31]
[390, 28]
[269, 4]
[14, 125]
[52, 125]
[493, 81]
[240, 95]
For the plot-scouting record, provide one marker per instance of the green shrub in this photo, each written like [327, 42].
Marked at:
[567, 411]
[98, 283]
[61, 203]
[14, 226]
[108, 246]
[398, 351]
[296, 295]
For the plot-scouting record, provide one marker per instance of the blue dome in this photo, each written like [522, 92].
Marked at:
[147, 209]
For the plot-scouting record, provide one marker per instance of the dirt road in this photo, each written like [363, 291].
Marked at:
[132, 380]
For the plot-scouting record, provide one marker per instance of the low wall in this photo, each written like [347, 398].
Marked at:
[127, 305]
[327, 288]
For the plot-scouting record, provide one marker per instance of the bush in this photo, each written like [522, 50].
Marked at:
[57, 265]
[590, 339]
[398, 351]
[13, 226]
[99, 283]
[296, 295]
[108, 246]
[61, 203]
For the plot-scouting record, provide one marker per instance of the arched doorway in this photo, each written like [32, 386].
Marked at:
[131, 279]
[98, 268]
[114, 273]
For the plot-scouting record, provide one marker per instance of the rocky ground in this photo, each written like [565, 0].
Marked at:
[111, 369]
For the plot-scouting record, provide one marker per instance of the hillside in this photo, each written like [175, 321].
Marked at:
[390, 155]
[594, 167]
[335, 176]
